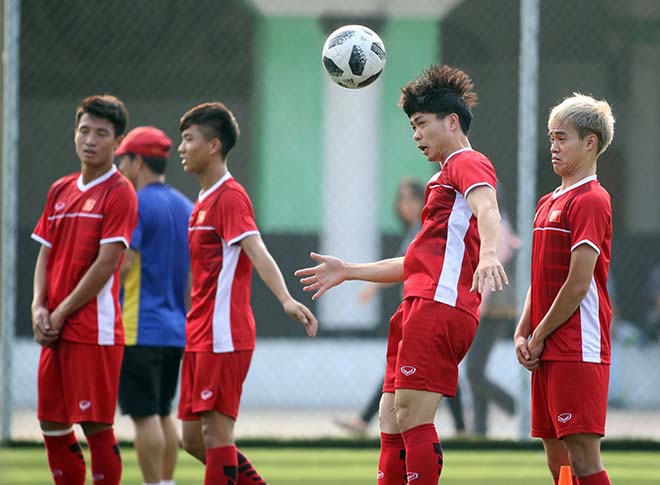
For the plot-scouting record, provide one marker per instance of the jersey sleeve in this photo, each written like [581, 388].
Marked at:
[589, 219]
[237, 216]
[41, 232]
[471, 171]
[120, 215]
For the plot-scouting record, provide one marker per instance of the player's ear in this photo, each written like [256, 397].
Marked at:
[118, 141]
[592, 141]
[216, 146]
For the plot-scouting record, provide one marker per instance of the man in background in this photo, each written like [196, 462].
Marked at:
[155, 280]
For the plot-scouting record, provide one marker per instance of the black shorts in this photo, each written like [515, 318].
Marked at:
[148, 381]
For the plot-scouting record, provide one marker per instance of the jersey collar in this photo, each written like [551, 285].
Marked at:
[203, 194]
[455, 153]
[84, 188]
[559, 191]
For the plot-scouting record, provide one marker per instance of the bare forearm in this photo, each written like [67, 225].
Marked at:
[488, 224]
[524, 328]
[566, 302]
[384, 271]
[39, 284]
[89, 286]
[271, 275]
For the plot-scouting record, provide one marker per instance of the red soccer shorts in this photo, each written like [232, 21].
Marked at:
[78, 382]
[569, 398]
[212, 381]
[426, 343]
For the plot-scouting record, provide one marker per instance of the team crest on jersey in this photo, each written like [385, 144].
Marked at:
[59, 206]
[201, 215]
[84, 405]
[555, 216]
[89, 205]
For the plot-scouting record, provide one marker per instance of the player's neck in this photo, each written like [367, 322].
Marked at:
[580, 174]
[459, 143]
[92, 172]
[213, 173]
[148, 178]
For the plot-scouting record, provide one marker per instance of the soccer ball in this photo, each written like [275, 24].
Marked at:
[354, 56]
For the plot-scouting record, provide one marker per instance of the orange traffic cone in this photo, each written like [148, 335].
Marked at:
[565, 477]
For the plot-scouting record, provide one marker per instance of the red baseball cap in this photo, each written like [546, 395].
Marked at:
[147, 141]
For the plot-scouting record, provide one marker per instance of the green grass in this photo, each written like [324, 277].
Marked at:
[316, 466]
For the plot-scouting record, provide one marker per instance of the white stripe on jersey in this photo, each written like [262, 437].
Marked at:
[590, 325]
[222, 338]
[105, 313]
[457, 227]
[41, 240]
[558, 229]
[73, 215]
[242, 236]
[588, 243]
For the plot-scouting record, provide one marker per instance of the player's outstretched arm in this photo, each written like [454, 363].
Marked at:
[271, 275]
[483, 203]
[43, 333]
[521, 336]
[91, 283]
[332, 271]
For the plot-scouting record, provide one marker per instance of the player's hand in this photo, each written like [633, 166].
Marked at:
[523, 354]
[41, 326]
[320, 278]
[535, 347]
[57, 320]
[489, 274]
[300, 312]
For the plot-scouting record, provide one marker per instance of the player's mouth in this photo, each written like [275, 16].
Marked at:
[423, 148]
[88, 152]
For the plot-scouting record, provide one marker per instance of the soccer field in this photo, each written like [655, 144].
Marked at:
[300, 466]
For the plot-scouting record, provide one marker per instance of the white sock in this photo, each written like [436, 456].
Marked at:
[167, 482]
[150, 483]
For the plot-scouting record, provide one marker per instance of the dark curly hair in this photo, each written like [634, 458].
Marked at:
[441, 90]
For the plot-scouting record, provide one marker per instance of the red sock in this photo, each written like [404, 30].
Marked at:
[221, 466]
[247, 474]
[600, 478]
[106, 460]
[392, 460]
[65, 459]
[423, 454]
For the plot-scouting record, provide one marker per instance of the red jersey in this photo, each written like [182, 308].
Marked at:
[220, 319]
[77, 219]
[564, 220]
[440, 262]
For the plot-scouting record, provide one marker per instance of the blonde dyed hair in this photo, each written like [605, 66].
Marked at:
[587, 115]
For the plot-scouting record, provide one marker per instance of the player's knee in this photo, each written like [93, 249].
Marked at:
[194, 449]
[405, 416]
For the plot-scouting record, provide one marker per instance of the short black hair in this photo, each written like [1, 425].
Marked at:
[441, 90]
[215, 121]
[107, 107]
[156, 164]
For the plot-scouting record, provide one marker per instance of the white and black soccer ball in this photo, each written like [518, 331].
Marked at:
[354, 56]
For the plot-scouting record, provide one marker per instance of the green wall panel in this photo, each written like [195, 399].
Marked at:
[411, 45]
[288, 113]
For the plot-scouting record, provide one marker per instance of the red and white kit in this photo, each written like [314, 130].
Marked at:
[78, 381]
[220, 321]
[569, 390]
[436, 323]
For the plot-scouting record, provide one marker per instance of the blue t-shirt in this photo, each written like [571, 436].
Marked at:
[154, 311]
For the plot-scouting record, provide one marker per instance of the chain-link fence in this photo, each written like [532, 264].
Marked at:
[319, 161]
